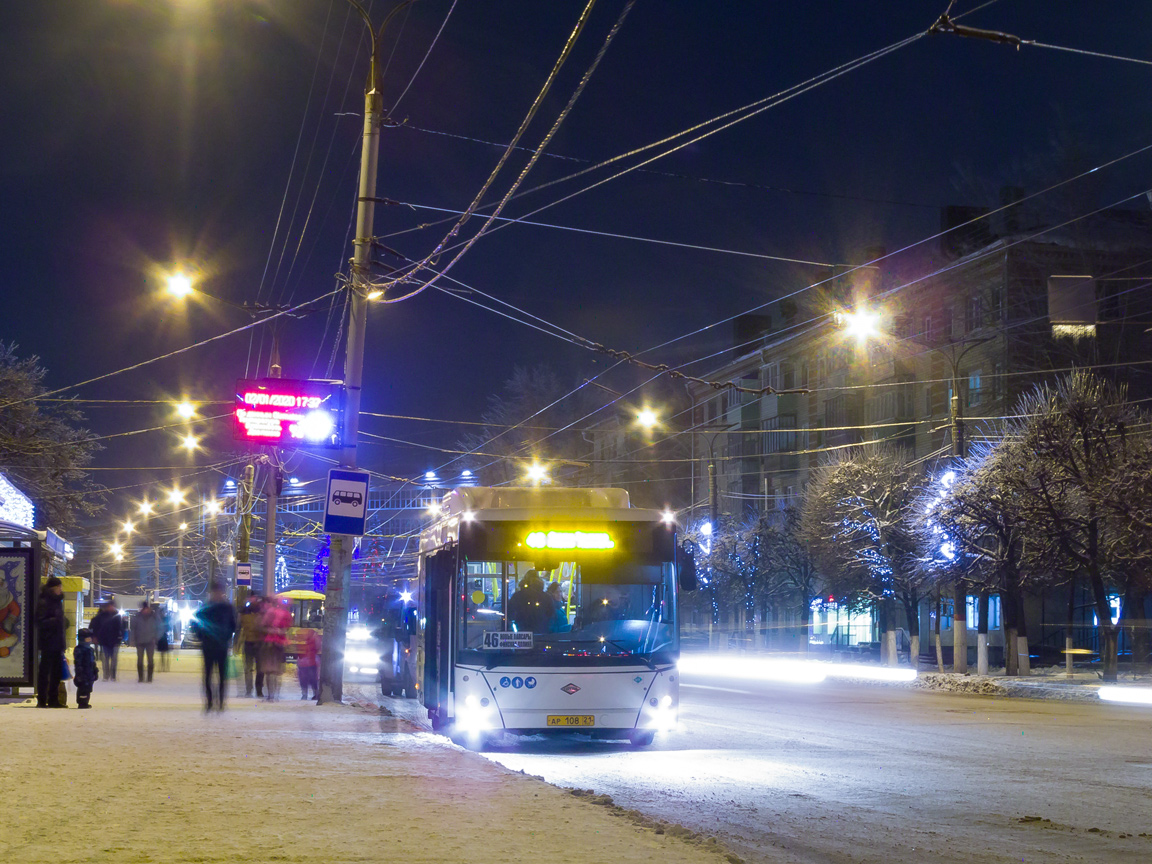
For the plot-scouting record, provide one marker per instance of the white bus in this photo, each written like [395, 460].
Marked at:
[590, 644]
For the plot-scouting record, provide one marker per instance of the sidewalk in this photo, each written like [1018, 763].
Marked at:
[147, 776]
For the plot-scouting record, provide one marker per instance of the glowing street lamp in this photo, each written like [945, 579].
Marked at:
[647, 418]
[176, 496]
[183, 526]
[190, 442]
[129, 526]
[537, 473]
[145, 507]
[863, 324]
[179, 285]
[186, 410]
[115, 548]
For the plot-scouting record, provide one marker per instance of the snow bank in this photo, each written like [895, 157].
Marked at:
[147, 776]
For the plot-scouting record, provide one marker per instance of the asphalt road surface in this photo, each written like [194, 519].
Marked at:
[837, 772]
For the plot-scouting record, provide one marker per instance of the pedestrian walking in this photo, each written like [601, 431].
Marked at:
[275, 621]
[145, 633]
[84, 671]
[50, 627]
[108, 629]
[251, 637]
[215, 623]
[162, 644]
[308, 665]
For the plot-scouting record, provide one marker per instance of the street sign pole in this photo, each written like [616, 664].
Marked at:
[340, 554]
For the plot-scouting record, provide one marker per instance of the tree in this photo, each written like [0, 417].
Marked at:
[859, 517]
[42, 445]
[783, 557]
[1078, 436]
[973, 528]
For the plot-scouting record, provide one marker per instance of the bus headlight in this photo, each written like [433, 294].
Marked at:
[473, 715]
[660, 716]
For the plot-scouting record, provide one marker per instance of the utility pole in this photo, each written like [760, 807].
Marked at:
[179, 568]
[959, 589]
[156, 563]
[340, 555]
[244, 539]
[272, 489]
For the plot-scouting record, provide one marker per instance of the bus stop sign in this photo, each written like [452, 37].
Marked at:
[346, 507]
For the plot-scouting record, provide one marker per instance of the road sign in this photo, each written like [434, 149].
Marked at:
[243, 575]
[346, 507]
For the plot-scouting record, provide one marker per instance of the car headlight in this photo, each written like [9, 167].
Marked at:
[361, 657]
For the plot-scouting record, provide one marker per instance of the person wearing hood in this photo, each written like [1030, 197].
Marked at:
[50, 627]
[84, 674]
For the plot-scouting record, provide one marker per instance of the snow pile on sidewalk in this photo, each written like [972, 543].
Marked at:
[147, 776]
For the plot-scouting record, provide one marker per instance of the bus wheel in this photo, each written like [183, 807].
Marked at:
[641, 737]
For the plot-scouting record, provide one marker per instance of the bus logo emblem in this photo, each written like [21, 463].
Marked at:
[569, 688]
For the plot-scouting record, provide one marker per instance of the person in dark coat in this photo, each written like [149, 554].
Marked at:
[84, 673]
[215, 623]
[108, 631]
[530, 609]
[50, 627]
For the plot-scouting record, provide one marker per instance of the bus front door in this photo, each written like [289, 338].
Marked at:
[439, 582]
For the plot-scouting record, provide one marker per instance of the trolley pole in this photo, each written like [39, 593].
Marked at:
[340, 556]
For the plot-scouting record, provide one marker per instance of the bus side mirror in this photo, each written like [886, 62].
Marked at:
[686, 567]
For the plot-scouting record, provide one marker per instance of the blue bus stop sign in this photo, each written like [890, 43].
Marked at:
[346, 507]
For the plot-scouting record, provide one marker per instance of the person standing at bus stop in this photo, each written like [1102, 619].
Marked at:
[50, 627]
[276, 620]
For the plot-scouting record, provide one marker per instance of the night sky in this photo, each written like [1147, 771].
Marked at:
[140, 134]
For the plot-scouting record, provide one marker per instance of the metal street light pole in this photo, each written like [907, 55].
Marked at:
[340, 555]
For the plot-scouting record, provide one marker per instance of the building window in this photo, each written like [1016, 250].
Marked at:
[780, 434]
[804, 376]
[771, 374]
[975, 395]
[926, 328]
[973, 615]
[974, 314]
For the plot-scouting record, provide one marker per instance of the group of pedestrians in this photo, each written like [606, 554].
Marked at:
[264, 623]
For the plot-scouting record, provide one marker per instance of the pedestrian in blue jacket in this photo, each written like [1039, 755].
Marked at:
[84, 672]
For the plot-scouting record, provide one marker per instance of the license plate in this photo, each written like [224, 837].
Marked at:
[571, 720]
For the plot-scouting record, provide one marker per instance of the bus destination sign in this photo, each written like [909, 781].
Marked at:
[287, 413]
[507, 640]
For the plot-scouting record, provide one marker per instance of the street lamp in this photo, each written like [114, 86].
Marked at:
[647, 418]
[179, 285]
[186, 410]
[176, 496]
[536, 473]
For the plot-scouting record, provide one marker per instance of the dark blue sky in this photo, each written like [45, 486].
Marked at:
[140, 132]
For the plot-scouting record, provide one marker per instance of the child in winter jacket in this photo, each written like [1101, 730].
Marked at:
[307, 665]
[84, 662]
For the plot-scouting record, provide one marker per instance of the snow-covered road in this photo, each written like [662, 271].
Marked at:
[146, 776]
[840, 772]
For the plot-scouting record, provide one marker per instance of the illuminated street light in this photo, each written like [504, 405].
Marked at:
[375, 295]
[863, 324]
[176, 496]
[118, 557]
[213, 506]
[183, 526]
[536, 473]
[145, 507]
[186, 410]
[647, 418]
[129, 526]
[179, 285]
[115, 548]
[190, 442]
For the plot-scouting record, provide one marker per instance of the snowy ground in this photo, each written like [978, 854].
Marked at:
[146, 776]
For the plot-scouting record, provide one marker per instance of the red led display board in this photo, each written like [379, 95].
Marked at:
[286, 413]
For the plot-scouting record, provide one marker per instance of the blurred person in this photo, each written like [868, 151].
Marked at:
[108, 629]
[162, 644]
[560, 619]
[145, 627]
[84, 671]
[50, 627]
[215, 624]
[530, 609]
[308, 665]
[251, 637]
[275, 622]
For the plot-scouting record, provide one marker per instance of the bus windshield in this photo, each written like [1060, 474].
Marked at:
[511, 612]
